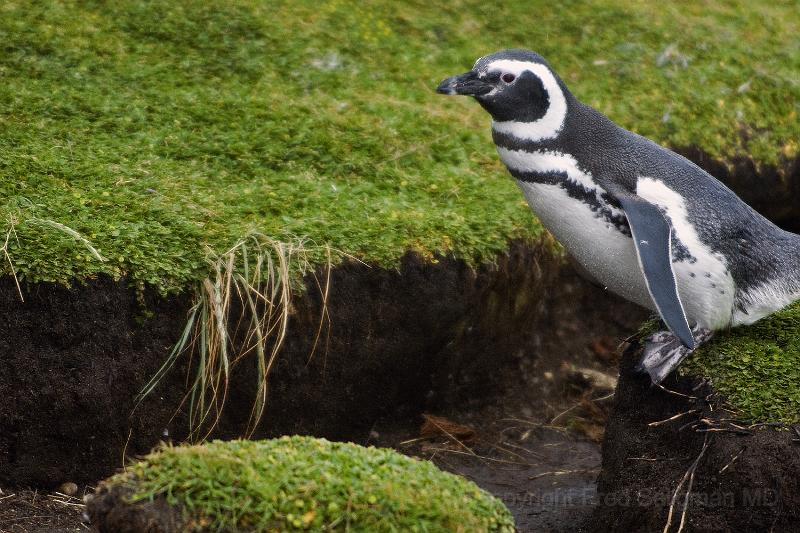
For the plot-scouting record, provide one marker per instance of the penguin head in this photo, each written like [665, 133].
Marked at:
[515, 87]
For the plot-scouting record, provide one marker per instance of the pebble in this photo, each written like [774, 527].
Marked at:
[69, 488]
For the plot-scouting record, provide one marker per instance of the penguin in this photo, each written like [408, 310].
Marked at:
[645, 222]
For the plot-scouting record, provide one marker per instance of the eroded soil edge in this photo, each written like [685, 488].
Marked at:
[745, 480]
[420, 338]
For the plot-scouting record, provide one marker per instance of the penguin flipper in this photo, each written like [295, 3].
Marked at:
[652, 235]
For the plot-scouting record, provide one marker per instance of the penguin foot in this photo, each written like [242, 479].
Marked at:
[663, 352]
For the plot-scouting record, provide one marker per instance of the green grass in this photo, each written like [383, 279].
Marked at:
[756, 368]
[302, 483]
[160, 130]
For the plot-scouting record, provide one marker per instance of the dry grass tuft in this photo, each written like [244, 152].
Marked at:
[12, 232]
[242, 310]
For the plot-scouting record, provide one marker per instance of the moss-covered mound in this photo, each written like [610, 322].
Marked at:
[153, 131]
[756, 368]
[296, 483]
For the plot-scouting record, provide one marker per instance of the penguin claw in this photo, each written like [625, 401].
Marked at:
[663, 352]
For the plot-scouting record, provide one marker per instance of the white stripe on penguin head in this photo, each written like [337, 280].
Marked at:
[552, 122]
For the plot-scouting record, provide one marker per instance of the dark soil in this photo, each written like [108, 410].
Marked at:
[747, 480]
[109, 512]
[544, 472]
[428, 335]
[480, 346]
[27, 511]
[72, 360]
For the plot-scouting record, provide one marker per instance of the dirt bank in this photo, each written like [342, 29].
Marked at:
[518, 443]
[745, 479]
[422, 337]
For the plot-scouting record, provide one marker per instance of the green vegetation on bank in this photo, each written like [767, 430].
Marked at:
[302, 483]
[757, 367]
[156, 131]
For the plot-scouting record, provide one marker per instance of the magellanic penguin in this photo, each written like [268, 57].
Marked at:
[644, 221]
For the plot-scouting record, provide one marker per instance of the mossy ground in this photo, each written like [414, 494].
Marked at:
[297, 483]
[757, 367]
[159, 130]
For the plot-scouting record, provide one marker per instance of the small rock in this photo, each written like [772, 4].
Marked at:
[328, 62]
[743, 88]
[672, 56]
[69, 488]
[588, 379]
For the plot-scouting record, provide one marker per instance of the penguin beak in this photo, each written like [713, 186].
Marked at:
[467, 84]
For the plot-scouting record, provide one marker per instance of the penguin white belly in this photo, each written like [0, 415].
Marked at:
[598, 246]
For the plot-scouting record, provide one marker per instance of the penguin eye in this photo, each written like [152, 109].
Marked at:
[508, 77]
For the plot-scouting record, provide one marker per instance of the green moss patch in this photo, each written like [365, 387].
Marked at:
[296, 483]
[757, 367]
[158, 130]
